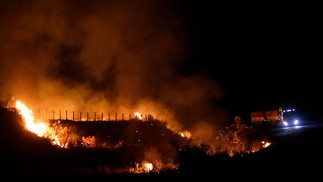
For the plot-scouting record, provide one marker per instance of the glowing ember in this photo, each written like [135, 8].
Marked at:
[28, 116]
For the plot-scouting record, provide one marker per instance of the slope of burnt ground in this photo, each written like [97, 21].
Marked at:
[120, 147]
[94, 148]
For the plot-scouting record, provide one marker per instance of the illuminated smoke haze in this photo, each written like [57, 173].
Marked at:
[106, 56]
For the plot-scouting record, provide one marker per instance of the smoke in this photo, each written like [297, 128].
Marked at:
[105, 56]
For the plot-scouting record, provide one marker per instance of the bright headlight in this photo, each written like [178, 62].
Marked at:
[295, 122]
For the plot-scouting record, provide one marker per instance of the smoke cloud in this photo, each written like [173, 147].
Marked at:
[106, 56]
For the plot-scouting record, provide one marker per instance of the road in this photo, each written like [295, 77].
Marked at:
[294, 130]
[297, 143]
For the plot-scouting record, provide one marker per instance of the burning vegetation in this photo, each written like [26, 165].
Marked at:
[135, 145]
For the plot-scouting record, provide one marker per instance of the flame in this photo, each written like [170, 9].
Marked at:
[260, 145]
[148, 166]
[138, 115]
[185, 134]
[265, 144]
[37, 128]
[40, 128]
[144, 167]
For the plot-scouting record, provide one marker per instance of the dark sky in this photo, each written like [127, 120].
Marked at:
[264, 55]
[191, 62]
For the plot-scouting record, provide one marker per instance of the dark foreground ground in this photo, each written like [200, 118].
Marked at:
[294, 155]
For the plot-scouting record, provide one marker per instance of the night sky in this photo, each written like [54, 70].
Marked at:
[264, 55]
[184, 59]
